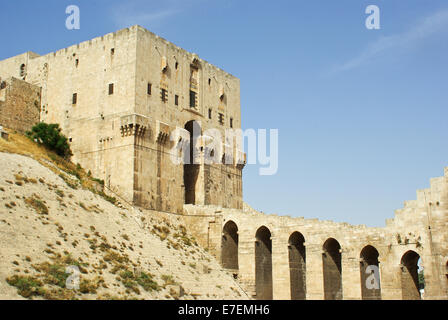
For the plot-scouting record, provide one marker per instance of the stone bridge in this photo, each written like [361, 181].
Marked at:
[279, 257]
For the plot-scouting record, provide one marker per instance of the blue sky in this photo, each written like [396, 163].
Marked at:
[361, 113]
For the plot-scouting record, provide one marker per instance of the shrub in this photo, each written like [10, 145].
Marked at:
[37, 204]
[131, 280]
[26, 286]
[51, 137]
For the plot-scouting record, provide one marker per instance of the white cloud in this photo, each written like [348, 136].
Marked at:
[147, 13]
[423, 29]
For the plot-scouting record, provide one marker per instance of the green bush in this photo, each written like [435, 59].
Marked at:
[51, 137]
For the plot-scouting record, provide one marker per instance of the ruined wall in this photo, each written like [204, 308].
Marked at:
[425, 220]
[19, 104]
[418, 230]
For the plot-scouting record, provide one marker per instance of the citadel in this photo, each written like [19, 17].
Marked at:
[122, 97]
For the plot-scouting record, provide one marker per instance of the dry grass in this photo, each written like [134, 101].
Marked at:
[127, 262]
[37, 204]
[73, 174]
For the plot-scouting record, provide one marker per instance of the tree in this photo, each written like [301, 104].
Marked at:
[51, 137]
[421, 280]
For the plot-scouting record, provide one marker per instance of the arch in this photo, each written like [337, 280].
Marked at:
[263, 264]
[297, 266]
[370, 276]
[229, 246]
[409, 276]
[446, 275]
[446, 269]
[22, 70]
[332, 269]
[191, 169]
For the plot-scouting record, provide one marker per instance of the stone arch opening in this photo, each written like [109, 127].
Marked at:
[409, 276]
[332, 269]
[370, 273]
[297, 266]
[191, 169]
[446, 275]
[421, 277]
[263, 264]
[229, 246]
[22, 70]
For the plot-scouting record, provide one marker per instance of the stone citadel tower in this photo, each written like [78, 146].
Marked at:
[122, 97]
[119, 98]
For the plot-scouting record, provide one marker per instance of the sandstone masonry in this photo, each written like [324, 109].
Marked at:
[19, 104]
[119, 98]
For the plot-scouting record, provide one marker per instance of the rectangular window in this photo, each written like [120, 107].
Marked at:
[111, 88]
[209, 113]
[148, 90]
[231, 122]
[164, 95]
[221, 119]
[176, 100]
[75, 98]
[193, 97]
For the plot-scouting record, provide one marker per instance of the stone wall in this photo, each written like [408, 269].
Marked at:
[337, 254]
[161, 184]
[120, 97]
[106, 94]
[19, 104]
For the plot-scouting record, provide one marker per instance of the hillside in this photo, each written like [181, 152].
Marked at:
[49, 220]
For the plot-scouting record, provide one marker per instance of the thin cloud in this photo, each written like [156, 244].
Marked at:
[144, 12]
[425, 28]
[142, 18]
[150, 13]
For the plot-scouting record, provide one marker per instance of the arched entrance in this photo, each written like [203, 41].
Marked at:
[446, 275]
[191, 170]
[263, 264]
[297, 266]
[332, 268]
[370, 274]
[409, 276]
[229, 246]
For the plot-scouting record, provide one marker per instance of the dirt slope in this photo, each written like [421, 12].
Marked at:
[48, 224]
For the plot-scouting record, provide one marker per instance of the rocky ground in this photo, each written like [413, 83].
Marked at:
[49, 222]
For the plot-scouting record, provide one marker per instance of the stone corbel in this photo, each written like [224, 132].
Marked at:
[241, 159]
[133, 125]
[163, 132]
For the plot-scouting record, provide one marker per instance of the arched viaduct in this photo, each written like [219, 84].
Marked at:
[279, 257]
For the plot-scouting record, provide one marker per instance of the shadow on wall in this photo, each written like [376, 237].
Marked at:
[263, 264]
